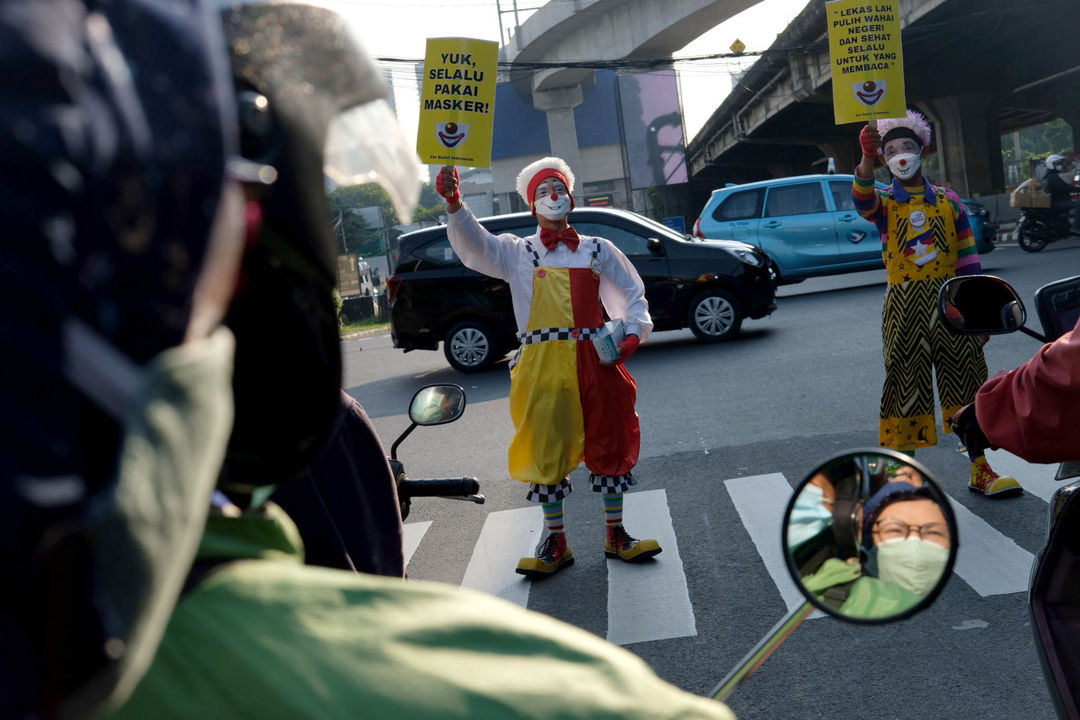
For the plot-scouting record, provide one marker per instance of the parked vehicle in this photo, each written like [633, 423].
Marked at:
[709, 287]
[989, 305]
[808, 225]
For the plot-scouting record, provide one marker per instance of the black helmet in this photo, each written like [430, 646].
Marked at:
[303, 83]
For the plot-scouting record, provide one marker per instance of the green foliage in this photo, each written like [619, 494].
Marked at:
[359, 237]
[339, 303]
[1036, 143]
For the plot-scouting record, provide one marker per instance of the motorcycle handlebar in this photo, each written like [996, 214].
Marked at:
[436, 487]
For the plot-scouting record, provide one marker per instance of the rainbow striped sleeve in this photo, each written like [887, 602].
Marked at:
[868, 204]
[967, 254]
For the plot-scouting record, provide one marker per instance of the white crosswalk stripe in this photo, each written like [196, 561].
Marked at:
[651, 601]
[507, 536]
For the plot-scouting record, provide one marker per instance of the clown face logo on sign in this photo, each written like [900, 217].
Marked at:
[451, 134]
[870, 92]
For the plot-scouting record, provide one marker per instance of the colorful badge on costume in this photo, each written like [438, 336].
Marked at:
[596, 266]
[921, 249]
[918, 219]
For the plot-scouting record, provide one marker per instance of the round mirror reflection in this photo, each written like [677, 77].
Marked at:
[870, 536]
[981, 305]
[437, 404]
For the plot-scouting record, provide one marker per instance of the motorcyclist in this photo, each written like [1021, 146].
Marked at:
[1061, 188]
[259, 633]
[1034, 410]
[121, 239]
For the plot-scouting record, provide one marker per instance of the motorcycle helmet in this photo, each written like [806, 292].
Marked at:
[311, 106]
[1055, 163]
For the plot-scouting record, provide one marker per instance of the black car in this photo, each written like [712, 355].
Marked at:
[706, 285]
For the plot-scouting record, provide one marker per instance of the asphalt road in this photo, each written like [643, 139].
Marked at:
[724, 428]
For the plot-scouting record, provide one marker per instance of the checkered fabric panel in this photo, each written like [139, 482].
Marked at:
[595, 248]
[532, 251]
[535, 336]
[611, 484]
[549, 493]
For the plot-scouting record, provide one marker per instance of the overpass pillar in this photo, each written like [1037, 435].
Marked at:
[969, 142]
[559, 104]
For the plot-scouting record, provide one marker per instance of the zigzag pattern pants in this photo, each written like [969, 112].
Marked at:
[916, 347]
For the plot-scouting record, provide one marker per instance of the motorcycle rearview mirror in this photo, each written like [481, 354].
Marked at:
[868, 537]
[433, 405]
[982, 305]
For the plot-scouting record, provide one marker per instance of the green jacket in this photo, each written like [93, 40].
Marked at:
[868, 597]
[267, 637]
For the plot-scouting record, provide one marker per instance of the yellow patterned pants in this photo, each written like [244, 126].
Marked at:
[917, 347]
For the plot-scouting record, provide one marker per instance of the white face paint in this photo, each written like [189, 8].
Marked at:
[903, 156]
[552, 200]
[905, 165]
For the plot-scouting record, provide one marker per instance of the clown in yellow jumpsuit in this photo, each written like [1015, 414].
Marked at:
[567, 406]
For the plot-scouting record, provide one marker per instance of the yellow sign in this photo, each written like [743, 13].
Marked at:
[738, 46]
[867, 59]
[457, 103]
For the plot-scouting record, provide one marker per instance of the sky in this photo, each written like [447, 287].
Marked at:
[400, 28]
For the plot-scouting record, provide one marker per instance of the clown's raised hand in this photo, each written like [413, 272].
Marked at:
[446, 184]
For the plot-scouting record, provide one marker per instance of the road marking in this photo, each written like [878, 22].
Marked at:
[411, 535]
[760, 501]
[990, 562]
[1036, 478]
[649, 601]
[507, 536]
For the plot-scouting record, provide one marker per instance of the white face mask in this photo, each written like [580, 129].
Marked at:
[905, 165]
[555, 209]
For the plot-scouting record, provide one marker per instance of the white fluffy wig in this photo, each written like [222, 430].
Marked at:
[915, 124]
[534, 173]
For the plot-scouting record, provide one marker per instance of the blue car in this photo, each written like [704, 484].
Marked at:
[807, 225]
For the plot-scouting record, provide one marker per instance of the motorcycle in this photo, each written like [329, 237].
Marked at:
[432, 405]
[1037, 227]
[836, 533]
[987, 305]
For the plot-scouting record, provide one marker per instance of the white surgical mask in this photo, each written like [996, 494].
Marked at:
[905, 165]
[555, 209]
[809, 516]
[914, 564]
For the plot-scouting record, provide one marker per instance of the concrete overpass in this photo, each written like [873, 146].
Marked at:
[598, 31]
[977, 69]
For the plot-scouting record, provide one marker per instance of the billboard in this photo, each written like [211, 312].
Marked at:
[652, 128]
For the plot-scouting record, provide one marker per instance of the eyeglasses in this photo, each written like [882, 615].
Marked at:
[935, 532]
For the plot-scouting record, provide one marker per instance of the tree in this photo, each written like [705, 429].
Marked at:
[360, 237]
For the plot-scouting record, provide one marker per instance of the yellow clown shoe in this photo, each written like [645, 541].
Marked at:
[552, 555]
[989, 483]
[620, 545]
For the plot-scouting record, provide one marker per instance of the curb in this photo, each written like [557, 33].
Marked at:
[364, 333]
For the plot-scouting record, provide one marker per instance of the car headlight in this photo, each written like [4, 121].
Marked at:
[749, 257]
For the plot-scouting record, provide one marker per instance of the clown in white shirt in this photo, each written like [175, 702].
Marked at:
[567, 406]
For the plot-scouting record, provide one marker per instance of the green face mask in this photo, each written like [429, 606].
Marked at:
[913, 563]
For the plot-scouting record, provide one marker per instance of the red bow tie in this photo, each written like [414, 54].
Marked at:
[550, 238]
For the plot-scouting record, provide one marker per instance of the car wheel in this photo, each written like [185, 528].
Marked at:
[470, 347]
[1028, 238]
[714, 315]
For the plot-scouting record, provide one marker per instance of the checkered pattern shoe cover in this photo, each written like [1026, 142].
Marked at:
[611, 484]
[549, 493]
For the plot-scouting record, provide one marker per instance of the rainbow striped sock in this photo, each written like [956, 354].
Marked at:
[612, 509]
[553, 516]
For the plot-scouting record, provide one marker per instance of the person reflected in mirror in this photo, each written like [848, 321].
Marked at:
[567, 405]
[1032, 411]
[904, 549]
[908, 474]
[926, 239]
[436, 405]
[823, 519]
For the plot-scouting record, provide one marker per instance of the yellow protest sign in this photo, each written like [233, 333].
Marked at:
[867, 59]
[457, 103]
